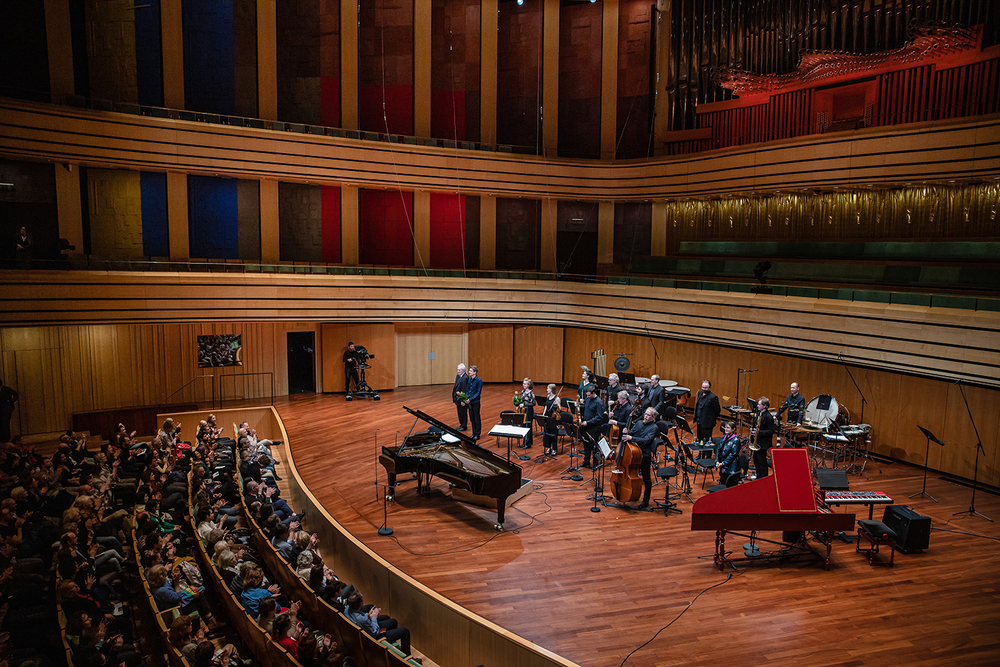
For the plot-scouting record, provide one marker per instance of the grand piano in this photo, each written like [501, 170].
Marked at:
[455, 458]
[784, 500]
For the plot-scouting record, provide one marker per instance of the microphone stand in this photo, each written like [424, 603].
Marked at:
[840, 355]
[656, 356]
[384, 529]
[979, 448]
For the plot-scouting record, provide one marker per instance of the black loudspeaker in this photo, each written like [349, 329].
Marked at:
[913, 531]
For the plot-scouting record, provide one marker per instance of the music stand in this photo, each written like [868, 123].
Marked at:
[930, 438]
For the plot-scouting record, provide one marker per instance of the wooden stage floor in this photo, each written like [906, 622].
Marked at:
[599, 587]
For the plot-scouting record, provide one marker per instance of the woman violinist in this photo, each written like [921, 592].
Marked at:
[551, 410]
[643, 435]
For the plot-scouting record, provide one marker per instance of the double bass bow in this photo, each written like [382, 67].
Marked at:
[626, 477]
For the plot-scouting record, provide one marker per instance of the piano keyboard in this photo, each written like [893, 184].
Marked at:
[857, 498]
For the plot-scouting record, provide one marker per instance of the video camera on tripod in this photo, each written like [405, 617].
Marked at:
[362, 355]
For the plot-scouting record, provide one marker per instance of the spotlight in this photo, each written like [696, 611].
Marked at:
[520, 2]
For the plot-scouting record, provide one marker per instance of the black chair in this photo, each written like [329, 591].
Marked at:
[705, 460]
[729, 480]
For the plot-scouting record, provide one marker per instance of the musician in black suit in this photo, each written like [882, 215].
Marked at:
[351, 368]
[461, 387]
[620, 409]
[706, 412]
[655, 395]
[644, 435]
[795, 404]
[592, 423]
[764, 436]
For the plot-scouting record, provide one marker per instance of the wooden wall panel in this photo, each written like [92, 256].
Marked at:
[919, 151]
[378, 339]
[416, 342]
[538, 354]
[491, 348]
[896, 404]
[78, 368]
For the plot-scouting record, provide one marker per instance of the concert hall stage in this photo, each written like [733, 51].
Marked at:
[594, 586]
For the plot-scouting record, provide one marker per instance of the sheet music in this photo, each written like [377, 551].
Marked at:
[509, 430]
[605, 447]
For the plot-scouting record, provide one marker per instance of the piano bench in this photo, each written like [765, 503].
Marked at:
[877, 534]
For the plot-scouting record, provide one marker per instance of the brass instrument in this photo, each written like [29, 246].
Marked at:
[754, 447]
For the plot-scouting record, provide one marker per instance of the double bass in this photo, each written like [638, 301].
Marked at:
[626, 477]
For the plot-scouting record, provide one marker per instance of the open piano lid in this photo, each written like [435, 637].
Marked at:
[441, 425]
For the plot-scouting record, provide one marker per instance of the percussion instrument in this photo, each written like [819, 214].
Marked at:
[667, 384]
[822, 410]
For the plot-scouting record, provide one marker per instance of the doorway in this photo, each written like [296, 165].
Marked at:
[301, 362]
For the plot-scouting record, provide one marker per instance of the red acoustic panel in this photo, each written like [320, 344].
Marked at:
[385, 227]
[382, 107]
[331, 224]
[448, 115]
[329, 99]
[448, 231]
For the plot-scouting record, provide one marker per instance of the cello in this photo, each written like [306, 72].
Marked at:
[626, 477]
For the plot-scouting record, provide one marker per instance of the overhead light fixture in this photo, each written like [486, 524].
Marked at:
[520, 2]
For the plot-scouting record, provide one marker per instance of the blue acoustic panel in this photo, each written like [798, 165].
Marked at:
[213, 227]
[153, 198]
[149, 54]
[209, 56]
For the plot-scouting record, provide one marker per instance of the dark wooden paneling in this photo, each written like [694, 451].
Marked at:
[580, 80]
[455, 69]
[519, 234]
[519, 75]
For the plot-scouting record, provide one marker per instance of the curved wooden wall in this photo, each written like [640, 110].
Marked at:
[935, 151]
[940, 343]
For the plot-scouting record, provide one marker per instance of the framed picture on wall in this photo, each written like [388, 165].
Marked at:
[220, 350]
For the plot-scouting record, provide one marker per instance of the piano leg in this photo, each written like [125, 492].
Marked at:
[501, 503]
[720, 549]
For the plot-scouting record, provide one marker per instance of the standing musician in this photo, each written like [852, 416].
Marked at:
[588, 379]
[655, 395]
[461, 387]
[795, 404]
[706, 412]
[643, 436]
[550, 440]
[475, 394]
[764, 434]
[592, 424]
[729, 452]
[351, 368]
[528, 402]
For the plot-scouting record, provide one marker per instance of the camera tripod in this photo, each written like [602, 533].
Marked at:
[364, 389]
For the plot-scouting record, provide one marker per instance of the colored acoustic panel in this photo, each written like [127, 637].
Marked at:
[248, 219]
[149, 54]
[633, 230]
[111, 51]
[331, 224]
[153, 196]
[212, 217]
[385, 67]
[24, 72]
[115, 213]
[634, 86]
[455, 69]
[209, 57]
[519, 75]
[385, 227]
[580, 34]
[308, 54]
[519, 234]
[300, 222]
[448, 237]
